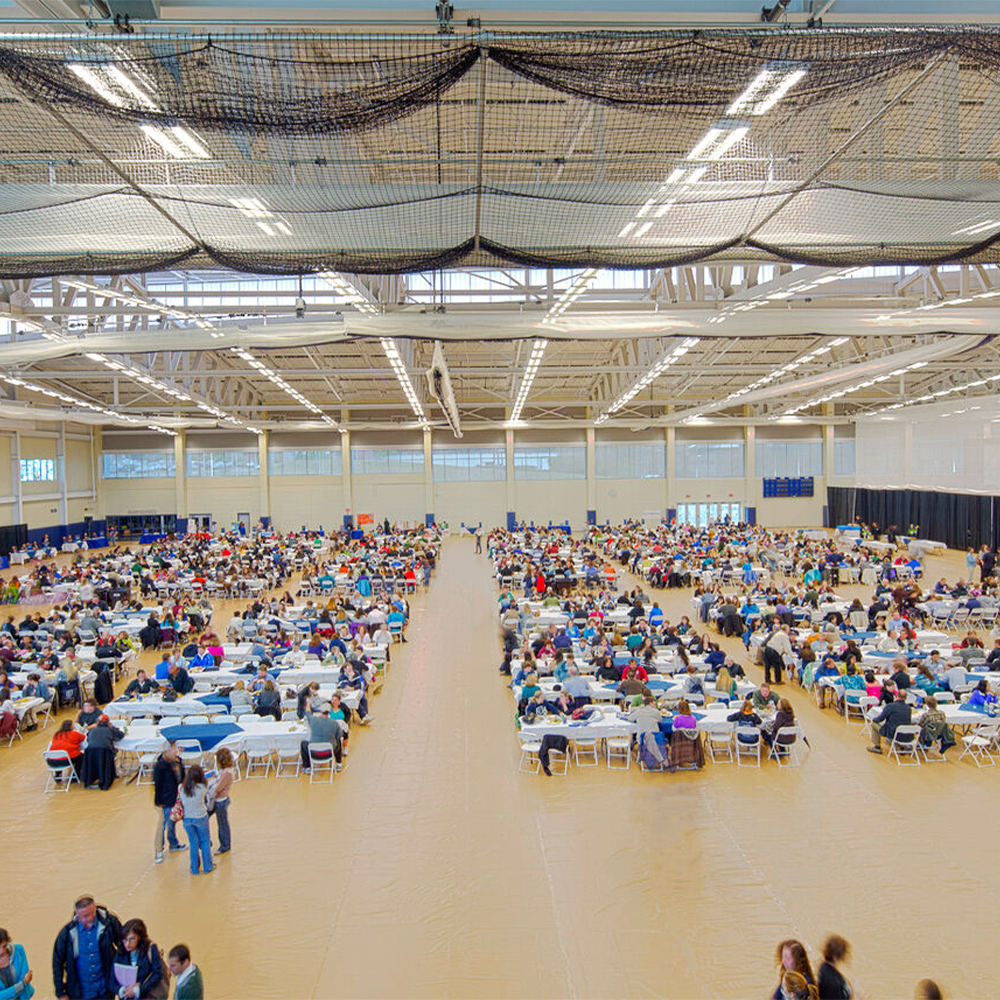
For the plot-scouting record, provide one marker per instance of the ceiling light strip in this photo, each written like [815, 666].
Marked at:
[668, 359]
[528, 377]
[402, 376]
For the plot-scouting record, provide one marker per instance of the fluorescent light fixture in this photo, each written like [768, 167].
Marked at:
[164, 141]
[350, 292]
[402, 376]
[668, 359]
[528, 377]
[579, 285]
[768, 87]
[96, 84]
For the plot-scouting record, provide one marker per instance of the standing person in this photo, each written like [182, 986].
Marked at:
[84, 952]
[218, 798]
[15, 976]
[479, 538]
[188, 984]
[927, 989]
[832, 983]
[791, 956]
[137, 952]
[168, 773]
[193, 797]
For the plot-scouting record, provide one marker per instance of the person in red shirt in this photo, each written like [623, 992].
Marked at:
[69, 738]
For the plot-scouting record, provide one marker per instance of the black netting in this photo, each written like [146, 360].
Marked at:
[369, 154]
[285, 85]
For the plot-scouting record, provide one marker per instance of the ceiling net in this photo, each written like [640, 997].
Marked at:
[303, 153]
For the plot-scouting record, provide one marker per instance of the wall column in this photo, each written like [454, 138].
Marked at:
[15, 476]
[428, 477]
[750, 471]
[180, 475]
[828, 453]
[509, 448]
[264, 474]
[345, 476]
[61, 475]
[591, 476]
[907, 454]
[670, 482]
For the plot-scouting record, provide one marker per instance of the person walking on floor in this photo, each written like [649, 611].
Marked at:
[168, 773]
[188, 983]
[193, 798]
[218, 798]
[84, 952]
[15, 976]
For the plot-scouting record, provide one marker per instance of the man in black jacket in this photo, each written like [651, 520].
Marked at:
[180, 679]
[168, 773]
[892, 716]
[84, 952]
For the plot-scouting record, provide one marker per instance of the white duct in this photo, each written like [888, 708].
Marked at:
[863, 370]
[439, 386]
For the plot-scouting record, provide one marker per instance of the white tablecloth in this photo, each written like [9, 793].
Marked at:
[278, 735]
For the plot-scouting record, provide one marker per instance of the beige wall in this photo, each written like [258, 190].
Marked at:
[306, 500]
[471, 503]
[399, 498]
[6, 480]
[138, 496]
[223, 498]
[620, 498]
[79, 468]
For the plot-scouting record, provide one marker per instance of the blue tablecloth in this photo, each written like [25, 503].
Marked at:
[214, 699]
[148, 537]
[207, 734]
[98, 542]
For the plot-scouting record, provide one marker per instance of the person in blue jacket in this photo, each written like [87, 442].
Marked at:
[15, 976]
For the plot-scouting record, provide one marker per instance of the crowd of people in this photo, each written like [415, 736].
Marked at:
[96, 955]
[797, 981]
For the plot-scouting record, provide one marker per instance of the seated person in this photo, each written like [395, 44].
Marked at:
[89, 714]
[536, 706]
[180, 680]
[630, 684]
[884, 725]
[785, 716]
[764, 699]
[70, 739]
[269, 701]
[934, 726]
[746, 718]
[982, 696]
[239, 700]
[141, 685]
[202, 660]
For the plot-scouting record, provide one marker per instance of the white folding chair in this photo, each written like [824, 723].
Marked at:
[585, 753]
[193, 720]
[905, 742]
[785, 746]
[720, 745]
[147, 752]
[618, 748]
[288, 760]
[867, 703]
[191, 751]
[981, 743]
[247, 718]
[257, 751]
[321, 761]
[853, 705]
[748, 743]
[61, 773]
[559, 761]
[44, 714]
[530, 746]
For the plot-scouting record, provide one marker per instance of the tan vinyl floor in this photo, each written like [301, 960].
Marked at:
[432, 868]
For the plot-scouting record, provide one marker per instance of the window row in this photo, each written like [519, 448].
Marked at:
[644, 460]
[139, 465]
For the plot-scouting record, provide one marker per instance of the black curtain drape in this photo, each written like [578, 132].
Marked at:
[960, 520]
[12, 536]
